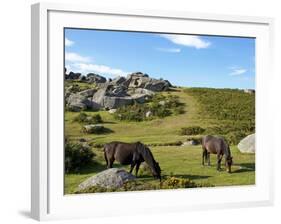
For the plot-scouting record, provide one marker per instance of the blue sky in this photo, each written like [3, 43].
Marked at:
[185, 60]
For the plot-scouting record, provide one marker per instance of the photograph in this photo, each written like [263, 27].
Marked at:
[156, 111]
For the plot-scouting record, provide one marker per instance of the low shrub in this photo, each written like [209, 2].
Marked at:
[176, 182]
[95, 129]
[97, 145]
[179, 110]
[176, 143]
[233, 133]
[159, 106]
[88, 119]
[233, 138]
[192, 130]
[77, 155]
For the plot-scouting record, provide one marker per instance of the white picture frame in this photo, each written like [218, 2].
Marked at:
[48, 200]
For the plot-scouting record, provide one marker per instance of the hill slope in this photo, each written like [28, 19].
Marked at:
[184, 161]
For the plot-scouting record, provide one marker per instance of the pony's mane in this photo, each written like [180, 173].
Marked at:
[146, 154]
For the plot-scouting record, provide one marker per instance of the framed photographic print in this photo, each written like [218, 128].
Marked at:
[162, 111]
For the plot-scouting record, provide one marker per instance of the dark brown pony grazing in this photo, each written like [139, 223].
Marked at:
[131, 154]
[216, 145]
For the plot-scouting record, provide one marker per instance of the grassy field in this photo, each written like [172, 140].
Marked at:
[178, 161]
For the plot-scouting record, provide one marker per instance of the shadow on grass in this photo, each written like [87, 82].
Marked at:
[245, 167]
[96, 167]
[191, 177]
[109, 122]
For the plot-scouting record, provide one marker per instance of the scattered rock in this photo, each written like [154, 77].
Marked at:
[247, 144]
[112, 111]
[112, 102]
[140, 91]
[110, 178]
[118, 81]
[157, 85]
[93, 128]
[95, 78]
[83, 78]
[112, 90]
[250, 91]
[72, 75]
[140, 80]
[148, 114]
[87, 92]
[121, 91]
[162, 103]
[191, 142]
[80, 101]
[76, 106]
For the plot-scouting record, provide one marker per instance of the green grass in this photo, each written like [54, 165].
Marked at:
[154, 131]
[180, 161]
[174, 160]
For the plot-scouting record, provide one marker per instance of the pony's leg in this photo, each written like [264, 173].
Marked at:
[219, 158]
[111, 163]
[132, 166]
[106, 160]
[209, 159]
[203, 156]
[137, 168]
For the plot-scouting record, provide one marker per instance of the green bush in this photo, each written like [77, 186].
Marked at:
[77, 156]
[95, 129]
[179, 110]
[159, 106]
[175, 143]
[175, 182]
[232, 132]
[192, 130]
[235, 137]
[88, 119]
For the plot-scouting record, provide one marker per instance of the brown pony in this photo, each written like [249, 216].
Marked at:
[216, 145]
[131, 154]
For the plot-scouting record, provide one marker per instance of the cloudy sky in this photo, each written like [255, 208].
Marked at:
[185, 60]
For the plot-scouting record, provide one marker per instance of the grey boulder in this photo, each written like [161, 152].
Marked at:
[113, 102]
[247, 144]
[95, 78]
[80, 101]
[77, 102]
[110, 178]
[111, 97]
[72, 75]
[118, 81]
[140, 80]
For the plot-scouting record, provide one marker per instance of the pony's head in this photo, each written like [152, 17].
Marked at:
[156, 171]
[228, 164]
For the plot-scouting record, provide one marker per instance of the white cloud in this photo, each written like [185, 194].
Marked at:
[187, 40]
[169, 50]
[74, 57]
[68, 42]
[85, 68]
[237, 71]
